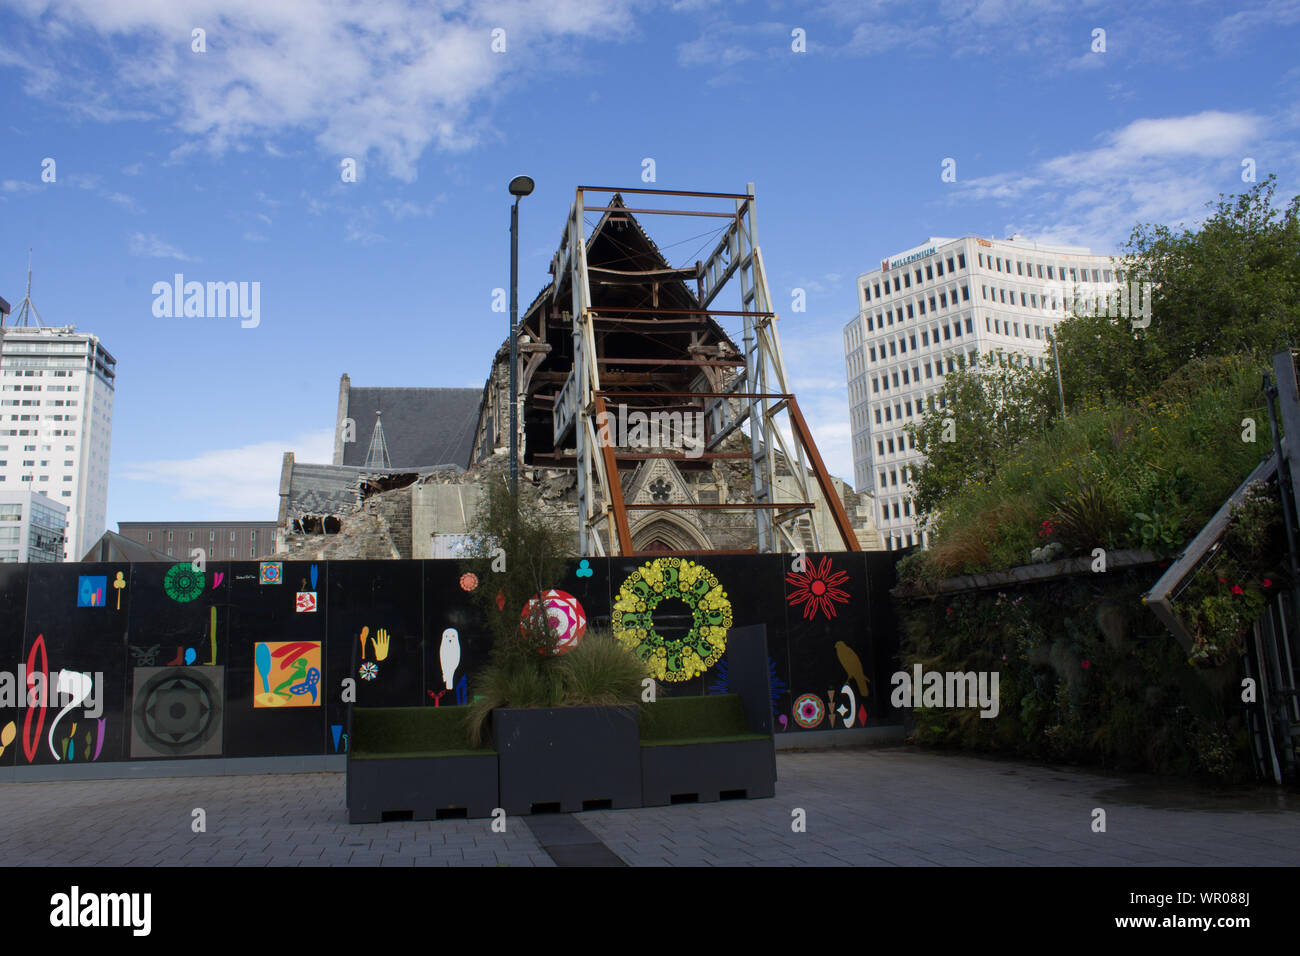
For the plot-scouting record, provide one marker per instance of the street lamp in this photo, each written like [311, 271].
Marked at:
[520, 187]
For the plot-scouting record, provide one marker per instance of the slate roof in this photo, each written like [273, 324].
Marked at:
[424, 427]
[113, 547]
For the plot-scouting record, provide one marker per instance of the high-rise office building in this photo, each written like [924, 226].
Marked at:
[56, 420]
[31, 527]
[930, 309]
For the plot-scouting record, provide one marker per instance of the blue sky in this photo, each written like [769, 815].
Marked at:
[224, 165]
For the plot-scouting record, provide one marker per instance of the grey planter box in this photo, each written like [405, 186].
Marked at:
[415, 763]
[574, 757]
[423, 787]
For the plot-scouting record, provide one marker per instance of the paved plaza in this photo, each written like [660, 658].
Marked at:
[874, 807]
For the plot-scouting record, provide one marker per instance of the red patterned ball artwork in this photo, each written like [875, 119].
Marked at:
[564, 614]
[468, 581]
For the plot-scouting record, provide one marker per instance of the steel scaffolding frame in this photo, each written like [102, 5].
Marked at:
[761, 389]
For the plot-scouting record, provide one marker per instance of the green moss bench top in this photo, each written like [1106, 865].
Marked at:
[676, 721]
[395, 732]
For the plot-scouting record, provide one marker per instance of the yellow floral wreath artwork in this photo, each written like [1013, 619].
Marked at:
[702, 646]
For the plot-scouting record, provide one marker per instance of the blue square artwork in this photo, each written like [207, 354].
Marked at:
[92, 590]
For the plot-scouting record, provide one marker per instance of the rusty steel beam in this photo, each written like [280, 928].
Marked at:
[621, 527]
[690, 394]
[702, 456]
[838, 513]
[662, 212]
[730, 506]
[692, 363]
[650, 310]
[637, 191]
[634, 273]
[682, 320]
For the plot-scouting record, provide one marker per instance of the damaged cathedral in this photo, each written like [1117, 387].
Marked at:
[641, 422]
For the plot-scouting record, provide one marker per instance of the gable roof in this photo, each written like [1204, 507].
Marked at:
[423, 427]
[113, 547]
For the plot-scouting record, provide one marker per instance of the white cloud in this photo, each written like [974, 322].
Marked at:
[244, 479]
[1161, 169]
[18, 186]
[382, 78]
[152, 246]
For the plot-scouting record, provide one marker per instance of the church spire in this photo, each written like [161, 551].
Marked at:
[377, 453]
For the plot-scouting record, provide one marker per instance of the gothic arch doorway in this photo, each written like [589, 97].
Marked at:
[668, 533]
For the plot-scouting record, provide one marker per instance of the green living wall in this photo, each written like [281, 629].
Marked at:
[1086, 675]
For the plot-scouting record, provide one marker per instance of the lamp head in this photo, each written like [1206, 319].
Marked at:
[521, 186]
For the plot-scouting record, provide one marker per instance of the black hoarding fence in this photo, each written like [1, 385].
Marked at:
[112, 662]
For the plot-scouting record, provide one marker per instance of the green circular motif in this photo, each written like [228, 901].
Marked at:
[696, 586]
[183, 583]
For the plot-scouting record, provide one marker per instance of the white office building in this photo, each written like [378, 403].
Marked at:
[32, 527]
[56, 422]
[931, 308]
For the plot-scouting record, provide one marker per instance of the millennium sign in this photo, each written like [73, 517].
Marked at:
[887, 264]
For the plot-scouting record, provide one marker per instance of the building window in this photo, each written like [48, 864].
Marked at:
[877, 416]
[939, 266]
[148, 536]
[169, 537]
[1020, 269]
[922, 304]
[895, 283]
[907, 280]
[929, 272]
[943, 300]
[875, 385]
[910, 314]
[961, 262]
[981, 260]
[918, 276]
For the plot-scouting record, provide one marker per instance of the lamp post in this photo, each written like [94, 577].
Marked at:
[520, 187]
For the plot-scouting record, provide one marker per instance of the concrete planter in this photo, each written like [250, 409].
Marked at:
[573, 758]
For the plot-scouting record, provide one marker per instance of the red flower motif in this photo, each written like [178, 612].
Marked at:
[817, 589]
[1236, 589]
[1223, 580]
[1086, 664]
[1268, 582]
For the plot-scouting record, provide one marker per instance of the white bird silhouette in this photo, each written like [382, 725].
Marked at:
[449, 654]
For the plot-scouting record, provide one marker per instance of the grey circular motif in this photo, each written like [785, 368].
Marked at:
[178, 712]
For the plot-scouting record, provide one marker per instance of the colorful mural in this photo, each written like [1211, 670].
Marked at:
[287, 673]
[187, 663]
[676, 579]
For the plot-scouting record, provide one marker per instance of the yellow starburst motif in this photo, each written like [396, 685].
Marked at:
[673, 659]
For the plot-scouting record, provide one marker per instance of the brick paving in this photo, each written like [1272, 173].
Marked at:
[878, 807]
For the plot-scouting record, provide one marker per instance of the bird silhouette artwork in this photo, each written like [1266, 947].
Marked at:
[852, 665]
[449, 655]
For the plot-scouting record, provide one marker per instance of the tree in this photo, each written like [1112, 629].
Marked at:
[518, 551]
[977, 419]
[1231, 287]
